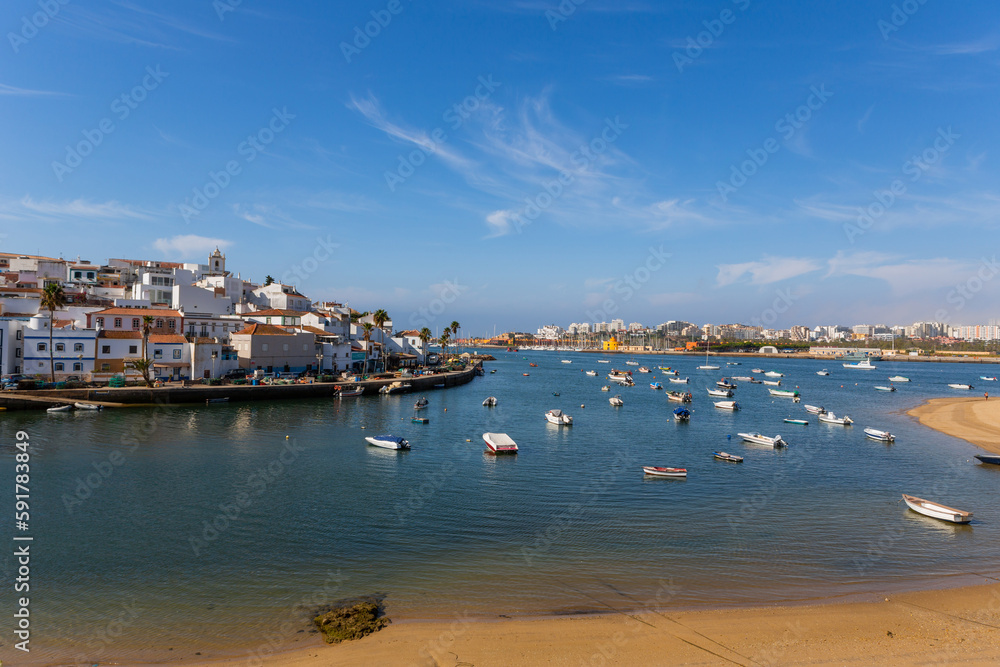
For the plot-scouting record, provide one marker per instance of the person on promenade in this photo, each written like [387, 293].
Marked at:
[986, 395]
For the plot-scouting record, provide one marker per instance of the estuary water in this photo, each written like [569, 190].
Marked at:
[164, 532]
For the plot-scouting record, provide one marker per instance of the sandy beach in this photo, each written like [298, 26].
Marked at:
[971, 418]
[953, 626]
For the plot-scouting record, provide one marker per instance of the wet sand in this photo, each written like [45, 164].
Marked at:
[954, 626]
[971, 418]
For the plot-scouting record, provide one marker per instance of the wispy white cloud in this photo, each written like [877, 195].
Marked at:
[268, 216]
[27, 92]
[903, 276]
[188, 246]
[864, 119]
[80, 209]
[770, 270]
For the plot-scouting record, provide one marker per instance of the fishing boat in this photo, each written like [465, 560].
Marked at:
[567, 361]
[616, 401]
[881, 436]
[823, 372]
[864, 365]
[631, 363]
[658, 471]
[679, 397]
[490, 402]
[783, 393]
[533, 365]
[399, 387]
[989, 458]
[815, 409]
[388, 442]
[525, 374]
[592, 373]
[665, 369]
[742, 378]
[420, 420]
[655, 385]
[643, 369]
[899, 378]
[722, 393]
[830, 418]
[759, 439]
[709, 367]
[723, 456]
[604, 361]
[774, 374]
[988, 379]
[727, 405]
[620, 376]
[937, 511]
[91, 406]
[682, 415]
[678, 380]
[756, 381]
[880, 387]
[756, 370]
[558, 418]
[421, 403]
[61, 408]
[960, 386]
[772, 383]
[800, 422]
[723, 384]
[733, 363]
[500, 443]
[605, 388]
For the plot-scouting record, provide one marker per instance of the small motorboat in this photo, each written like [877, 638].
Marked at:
[823, 372]
[756, 370]
[800, 422]
[756, 381]
[678, 380]
[989, 458]
[960, 386]
[631, 363]
[722, 393]
[655, 385]
[208, 401]
[830, 418]
[604, 361]
[865, 365]
[398, 387]
[742, 378]
[61, 408]
[558, 418]
[91, 406]
[899, 378]
[605, 388]
[347, 392]
[727, 405]
[759, 439]
[682, 415]
[592, 373]
[723, 456]
[881, 436]
[492, 371]
[490, 402]
[880, 387]
[988, 379]
[525, 374]
[533, 365]
[500, 443]
[708, 367]
[679, 397]
[815, 409]
[643, 369]
[937, 511]
[555, 393]
[783, 393]
[772, 383]
[616, 401]
[388, 442]
[724, 384]
[658, 471]
[774, 374]
[567, 361]
[421, 403]
[420, 420]
[733, 363]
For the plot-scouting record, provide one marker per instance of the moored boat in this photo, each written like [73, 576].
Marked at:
[490, 402]
[830, 418]
[800, 422]
[91, 406]
[742, 378]
[727, 405]
[989, 458]
[655, 385]
[592, 373]
[558, 417]
[880, 387]
[678, 380]
[756, 370]
[722, 393]
[936, 510]
[616, 401]
[815, 409]
[899, 378]
[881, 436]
[500, 443]
[724, 384]
[864, 365]
[774, 374]
[567, 361]
[708, 367]
[760, 439]
[823, 372]
[660, 471]
[960, 386]
[421, 403]
[679, 397]
[724, 456]
[682, 415]
[988, 379]
[61, 408]
[643, 369]
[783, 393]
[347, 392]
[631, 363]
[388, 442]
[772, 383]
[420, 420]
[605, 388]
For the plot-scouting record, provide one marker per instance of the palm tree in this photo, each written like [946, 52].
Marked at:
[455, 326]
[443, 341]
[425, 336]
[367, 328]
[53, 299]
[379, 317]
[144, 365]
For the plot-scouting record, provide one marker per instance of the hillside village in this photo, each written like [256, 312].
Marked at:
[195, 321]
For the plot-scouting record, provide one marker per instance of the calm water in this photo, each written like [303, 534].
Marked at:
[126, 565]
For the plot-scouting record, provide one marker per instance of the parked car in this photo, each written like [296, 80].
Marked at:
[235, 374]
[11, 379]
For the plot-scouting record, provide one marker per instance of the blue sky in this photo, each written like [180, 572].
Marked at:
[515, 164]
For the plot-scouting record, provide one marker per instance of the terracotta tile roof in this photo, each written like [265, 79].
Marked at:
[145, 262]
[138, 312]
[166, 338]
[411, 332]
[120, 335]
[37, 290]
[17, 314]
[257, 329]
[275, 312]
[12, 255]
[318, 331]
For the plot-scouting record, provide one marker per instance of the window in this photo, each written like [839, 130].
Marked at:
[77, 366]
[41, 347]
[18, 334]
[305, 347]
[17, 352]
[77, 274]
[285, 347]
[177, 354]
[133, 349]
[100, 322]
[78, 347]
[263, 348]
[60, 347]
[105, 367]
[60, 366]
[105, 349]
[171, 324]
[136, 323]
[159, 324]
[118, 323]
[157, 354]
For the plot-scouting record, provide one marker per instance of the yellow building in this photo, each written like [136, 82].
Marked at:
[611, 344]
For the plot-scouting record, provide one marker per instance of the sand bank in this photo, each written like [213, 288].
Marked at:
[971, 418]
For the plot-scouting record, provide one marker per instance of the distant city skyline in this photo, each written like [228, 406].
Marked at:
[505, 165]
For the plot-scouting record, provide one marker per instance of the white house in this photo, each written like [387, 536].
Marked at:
[72, 349]
[171, 356]
[210, 357]
[12, 343]
[281, 297]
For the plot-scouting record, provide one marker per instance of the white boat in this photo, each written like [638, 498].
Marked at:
[863, 365]
[620, 376]
[783, 393]
[988, 379]
[774, 374]
[723, 456]
[659, 471]
[742, 378]
[421, 403]
[830, 418]
[815, 409]
[773, 383]
[388, 442]
[882, 436]
[350, 391]
[937, 511]
[631, 363]
[682, 414]
[724, 384]
[679, 397]
[678, 380]
[759, 439]
[709, 367]
[733, 363]
[823, 372]
[655, 385]
[61, 408]
[960, 386]
[727, 405]
[616, 401]
[592, 373]
[756, 370]
[91, 406]
[398, 387]
[880, 387]
[500, 443]
[567, 361]
[723, 393]
[605, 388]
[603, 361]
[490, 402]
[899, 378]
[558, 417]
[643, 369]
